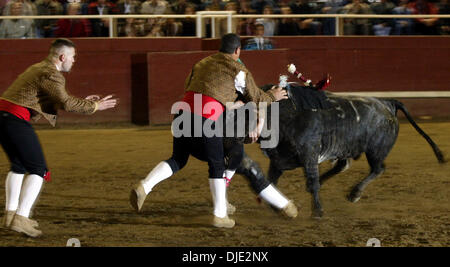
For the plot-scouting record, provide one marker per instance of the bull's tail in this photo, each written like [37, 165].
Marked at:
[399, 106]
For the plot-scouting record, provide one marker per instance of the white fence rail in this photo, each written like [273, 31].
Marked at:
[230, 16]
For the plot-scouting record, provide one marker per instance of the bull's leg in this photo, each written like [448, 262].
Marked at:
[274, 174]
[313, 187]
[340, 166]
[376, 170]
[252, 171]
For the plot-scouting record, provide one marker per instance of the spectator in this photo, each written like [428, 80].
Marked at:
[16, 28]
[100, 27]
[260, 5]
[128, 7]
[45, 27]
[356, 26]
[331, 7]
[73, 27]
[403, 26]
[214, 5]
[382, 26]
[223, 22]
[155, 7]
[28, 8]
[424, 26]
[307, 26]
[84, 5]
[287, 26]
[444, 24]
[156, 27]
[259, 42]
[270, 25]
[188, 25]
[2, 5]
[127, 27]
[179, 6]
[246, 26]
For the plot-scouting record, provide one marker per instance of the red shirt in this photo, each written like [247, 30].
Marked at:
[73, 28]
[18, 111]
[208, 107]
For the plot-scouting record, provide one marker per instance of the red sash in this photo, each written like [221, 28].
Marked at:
[213, 110]
[18, 111]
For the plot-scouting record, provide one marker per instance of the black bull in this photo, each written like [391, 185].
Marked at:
[348, 127]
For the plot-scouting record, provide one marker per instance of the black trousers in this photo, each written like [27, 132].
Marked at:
[21, 145]
[209, 149]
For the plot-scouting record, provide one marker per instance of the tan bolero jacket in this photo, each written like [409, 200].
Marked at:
[41, 88]
[215, 76]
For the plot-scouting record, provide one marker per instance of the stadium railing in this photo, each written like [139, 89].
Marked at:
[230, 17]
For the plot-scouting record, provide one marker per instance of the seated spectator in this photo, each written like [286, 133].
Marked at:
[246, 26]
[270, 25]
[16, 28]
[188, 25]
[382, 26]
[73, 27]
[128, 6]
[223, 22]
[260, 5]
[100, 27]
[424, 26]
[331, 7]
[127, 27]
[179, 6]
[259, 42]
[155, 7]
[307, 26]
[356, 26]
[156, 27]
[403, 26]
[28, 8]
[287, 26]
[444, 24]
[214, 5]
[45, 27]
[84, 5]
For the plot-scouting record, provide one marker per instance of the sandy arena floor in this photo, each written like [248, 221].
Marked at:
[93, 171]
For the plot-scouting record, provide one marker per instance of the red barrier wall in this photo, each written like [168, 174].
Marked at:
[168, 71]
[103, 66]
[356, 64]
[369, 63]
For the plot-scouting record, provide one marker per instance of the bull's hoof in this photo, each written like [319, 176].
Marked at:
[354, 196]
[317, 214]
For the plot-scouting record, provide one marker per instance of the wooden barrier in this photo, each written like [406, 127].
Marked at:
[148, 73]
[167, 73]
[102, 66]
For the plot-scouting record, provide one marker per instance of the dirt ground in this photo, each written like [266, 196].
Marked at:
[94, 169]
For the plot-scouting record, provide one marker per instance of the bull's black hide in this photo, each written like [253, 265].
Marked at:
[333, 128]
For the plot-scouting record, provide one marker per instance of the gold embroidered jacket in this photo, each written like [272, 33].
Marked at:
[215, 76]
[41, 88]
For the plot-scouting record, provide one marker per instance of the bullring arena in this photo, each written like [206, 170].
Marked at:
[95, 160]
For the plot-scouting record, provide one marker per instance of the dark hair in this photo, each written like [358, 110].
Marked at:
[60, 42]
[259, 25]
[229, 43]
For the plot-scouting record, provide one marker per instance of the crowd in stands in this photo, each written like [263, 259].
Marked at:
[154, 27]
